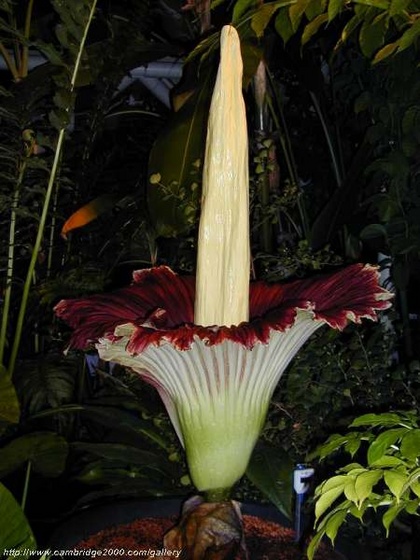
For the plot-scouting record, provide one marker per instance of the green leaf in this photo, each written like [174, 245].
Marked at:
[350, 27]
[350, 490]
[383, 420]
[382, 4]
[386, 51]
[353, 443]
[334, 523]
[333, 443]
[315, 8]
[334, 8]
[242, 7]
[372, 34]
[409, 36]
[312, 27]
[383, 443]
[121, 454]
[410, 445]
[263, 16]
[395, 481]
[296, 12]
[9, 404]
[413, 477]
[283, 25]
[314, 544]
[328, 492]
[373, 231]
[46, 451]
[271, 470]
[390, 514]
[387, 461]
[179, 145]
[398, 7]
[15, 531]
[364, 484]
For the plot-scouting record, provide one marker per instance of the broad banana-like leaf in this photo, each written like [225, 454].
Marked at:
[46, 451]
[340, 206]
[271, 471]
[15, 532]
[172, 190]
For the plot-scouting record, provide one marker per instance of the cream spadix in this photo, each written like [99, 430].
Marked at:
[223, 260]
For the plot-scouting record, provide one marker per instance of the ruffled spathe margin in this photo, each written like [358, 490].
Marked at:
[160, 305]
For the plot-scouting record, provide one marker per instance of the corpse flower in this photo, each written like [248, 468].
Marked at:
[216, 346]
[217, 382]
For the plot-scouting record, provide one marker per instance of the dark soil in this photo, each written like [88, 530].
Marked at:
[143, 538]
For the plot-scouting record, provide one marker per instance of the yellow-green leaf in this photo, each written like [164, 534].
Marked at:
[395, 482]
[410, 445]
[364, 484]
[334, 523]
[15, 532]
[334, 8]
[328, 492]
[390, 514]
[383, 443]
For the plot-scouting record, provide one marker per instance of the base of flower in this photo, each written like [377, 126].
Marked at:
[210, 531]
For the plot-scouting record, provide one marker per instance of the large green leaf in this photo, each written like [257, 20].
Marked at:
[271, 470]
[46, 451]
[172, 197]
[121, 454]
[15, 532]
[9, 404]
[46, 383]
[340, 206]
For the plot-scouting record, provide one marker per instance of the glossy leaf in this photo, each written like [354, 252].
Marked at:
[395, 481]
[386, 51]
[15, 532]
[411, 35]
[328, 492]
[271, 470]
[334, 523]
[364, 483]
[410, 445]
[383, 443]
